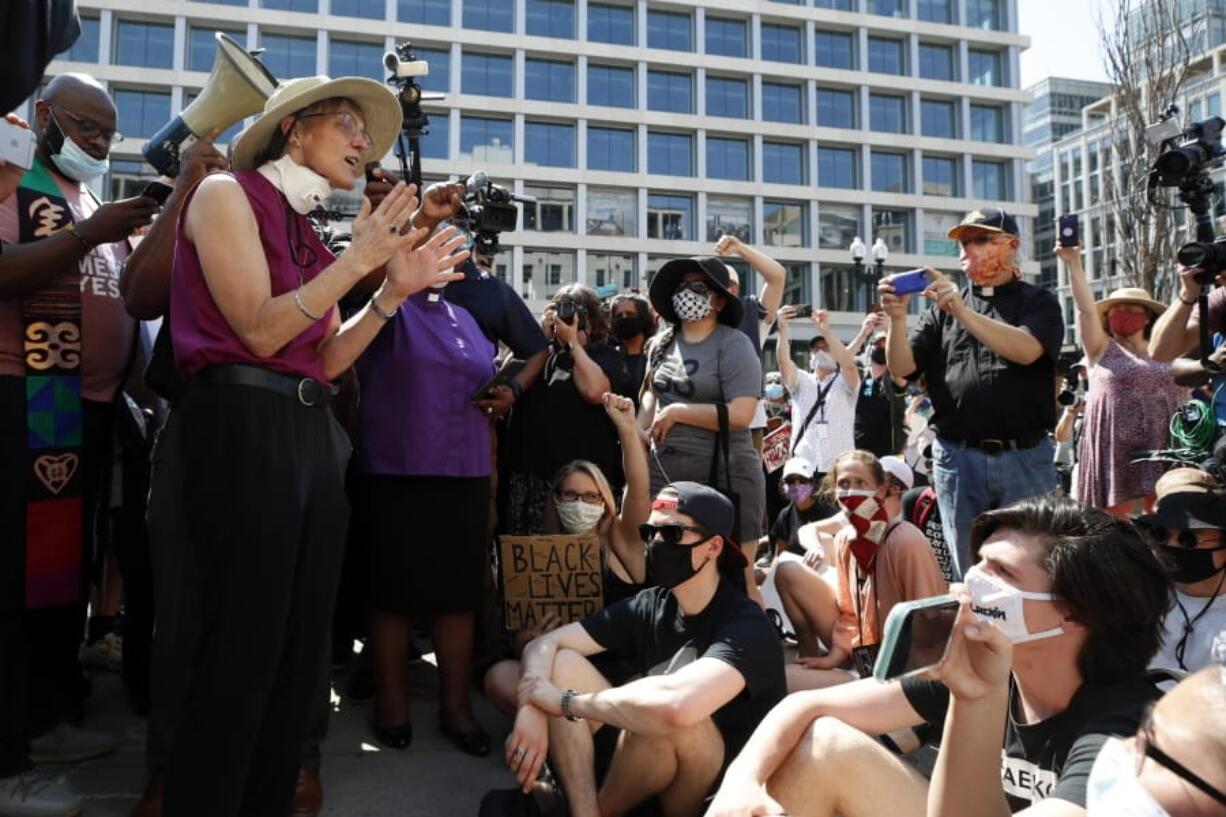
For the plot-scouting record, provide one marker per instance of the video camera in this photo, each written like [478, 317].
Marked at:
[487, 211]
[404, 69]
[1187, 152]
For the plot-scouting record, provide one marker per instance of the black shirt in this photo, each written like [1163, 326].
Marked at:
[499, 311]
[791, 518]
[633, 370]
[879, 416]
[927, 517]
[651, 630]
[977, 394]
[1051, 758]
[752, 316]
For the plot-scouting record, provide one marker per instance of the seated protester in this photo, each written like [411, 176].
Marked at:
[1081, 597]
[880, 560]
[806, 503]
[921, 508]
[778, 411]
[711, 662]
[581, 500]
[1187, 526]
[1175, 764]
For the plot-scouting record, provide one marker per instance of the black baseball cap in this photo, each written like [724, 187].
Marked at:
[666, 281]
[1187, 510]
[991, 219]
[712, 511]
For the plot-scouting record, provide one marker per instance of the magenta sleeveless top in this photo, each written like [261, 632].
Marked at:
[199, 332]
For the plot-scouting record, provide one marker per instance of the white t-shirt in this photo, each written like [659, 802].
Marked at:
[1196, 654]
[832, 430]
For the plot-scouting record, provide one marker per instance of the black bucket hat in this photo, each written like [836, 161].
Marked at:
[712, 269]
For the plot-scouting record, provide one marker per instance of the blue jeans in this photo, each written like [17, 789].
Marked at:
[970, 481]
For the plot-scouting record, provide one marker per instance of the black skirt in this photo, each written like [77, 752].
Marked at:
[428, 539]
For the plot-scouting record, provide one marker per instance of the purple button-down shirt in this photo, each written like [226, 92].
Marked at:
[416, 416]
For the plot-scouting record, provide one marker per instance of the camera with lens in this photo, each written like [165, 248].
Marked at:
[1069, 395]
[567, 312]
[1187, 153]
[1208, 256]
[487, 211]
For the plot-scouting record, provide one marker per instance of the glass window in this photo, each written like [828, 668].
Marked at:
[611, 149]
[549, 144]
[984, 67]
[729, 216]
[887, 113]
[834, 49]
[796, 288]
[783, 103]
[145, 45]
[439, 78]
[610, 24]
[489, 15]
[888, 8]
[551, 18]
[429, 12]
[890, 172]
[553, 211]
[202, 46]
[435, 144]
[353, 59]
[486, 140]
[837, 226]
[936, 11]
[782, 43]
[893, 227]
[670, 91]
[784, 224]
[984, 14]
[842, 289]
[128, 179]
[836, 109]
[546, 271]
[727, 97]
[987, 123]
[670, 30]
[936, 61]
[288, 56]
[670, 217]
[725, 37]
[940, 176]
[728, 159]
[612, 212]
[937, 119]
[886, 56]
[141, 113]
[610, 85]
[228, 134]
[305, 6]
[936, 232]
[1213, 104]
[85, 48]
[783, 163]
[549, 80]
[836, 167]
[988, 181]
[670, 154]
[486, 74]
[371, 9]
[608, 270]
[837, 5]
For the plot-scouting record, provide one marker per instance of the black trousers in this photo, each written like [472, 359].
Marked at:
[258, 499]
[40, 676]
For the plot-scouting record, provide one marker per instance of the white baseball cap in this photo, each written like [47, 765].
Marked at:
[798, 467]
[898, 469]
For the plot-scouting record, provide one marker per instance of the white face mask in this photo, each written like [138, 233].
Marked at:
[578, 516]
[304, 189]
[74, 162]
[1001, 604]
[823, 360]
[1113, 789]
[690, 306]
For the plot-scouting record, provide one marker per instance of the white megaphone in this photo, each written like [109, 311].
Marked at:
[237, 87]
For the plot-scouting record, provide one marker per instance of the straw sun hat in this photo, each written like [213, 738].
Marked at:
[1130, 295]
[379, 105]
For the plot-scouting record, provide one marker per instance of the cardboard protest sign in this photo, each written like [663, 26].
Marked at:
[550, 574]
[775, 447]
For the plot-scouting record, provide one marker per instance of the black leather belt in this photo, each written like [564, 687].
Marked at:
[992, 445]
[307, 390]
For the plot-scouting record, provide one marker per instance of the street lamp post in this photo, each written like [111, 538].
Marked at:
[880, 253]
[858, 251]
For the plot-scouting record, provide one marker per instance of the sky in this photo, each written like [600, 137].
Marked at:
[1063, 40]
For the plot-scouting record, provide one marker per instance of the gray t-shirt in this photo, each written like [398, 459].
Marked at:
[722, 367]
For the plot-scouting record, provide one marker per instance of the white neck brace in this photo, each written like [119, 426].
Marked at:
[303, 188]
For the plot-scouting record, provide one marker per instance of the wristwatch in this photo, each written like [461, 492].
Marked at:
[568, 696]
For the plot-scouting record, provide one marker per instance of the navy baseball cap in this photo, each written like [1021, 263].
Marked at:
[991, 219]
[710, 509]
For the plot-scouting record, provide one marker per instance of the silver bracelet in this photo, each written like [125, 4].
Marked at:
[387, 316]
[302, 307]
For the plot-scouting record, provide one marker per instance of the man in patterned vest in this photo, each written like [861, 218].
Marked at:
[65, 341]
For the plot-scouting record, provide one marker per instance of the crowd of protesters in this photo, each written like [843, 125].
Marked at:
[331, 438]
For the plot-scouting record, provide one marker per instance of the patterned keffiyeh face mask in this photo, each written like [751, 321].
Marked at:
[870, 520]
[988, 260]
[690, 306]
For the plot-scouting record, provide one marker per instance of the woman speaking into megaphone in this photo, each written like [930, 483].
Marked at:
[257, 336]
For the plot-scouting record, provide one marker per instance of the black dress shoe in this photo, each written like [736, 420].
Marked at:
[475, 743]
[395, 737]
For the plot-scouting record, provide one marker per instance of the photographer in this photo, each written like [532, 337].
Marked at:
[1177, 332]
[1130, 399]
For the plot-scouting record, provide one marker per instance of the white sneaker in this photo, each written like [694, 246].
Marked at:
[68, 744]
[104, 654]
[30, 794]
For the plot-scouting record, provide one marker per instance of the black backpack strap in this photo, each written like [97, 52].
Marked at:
[822, 394]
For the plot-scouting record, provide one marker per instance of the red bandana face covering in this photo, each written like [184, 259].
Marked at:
[988, 261]
[870, 520]
[1126, 324]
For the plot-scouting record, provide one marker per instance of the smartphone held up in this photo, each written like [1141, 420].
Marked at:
[915, 637]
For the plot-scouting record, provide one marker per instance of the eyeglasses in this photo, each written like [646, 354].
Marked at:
[349, 124]
[590, 497]
[1145, 748]
[88, 128]
[697, 287]
[1186, 538]
[668, 534]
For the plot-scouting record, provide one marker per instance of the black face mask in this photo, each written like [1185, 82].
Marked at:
[1191, 565]
[671, 565]
[877, 356]
[627, 326]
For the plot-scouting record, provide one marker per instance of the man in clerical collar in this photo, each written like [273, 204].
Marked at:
[989, 352]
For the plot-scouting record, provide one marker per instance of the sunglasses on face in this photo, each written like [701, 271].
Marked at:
[668, 534]
[697, 287]
[1185, 538]
[1145, 747]
[590, 497]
